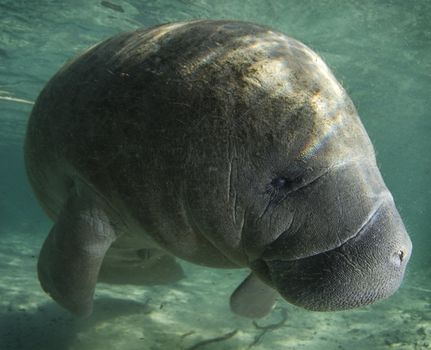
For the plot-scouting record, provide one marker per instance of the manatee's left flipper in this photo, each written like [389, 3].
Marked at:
[72, 254]
[253, 298]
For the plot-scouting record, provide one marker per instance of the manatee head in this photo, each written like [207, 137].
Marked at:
[321, 227]
[344, 244]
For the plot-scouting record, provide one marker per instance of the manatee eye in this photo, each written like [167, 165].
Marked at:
[279, 182]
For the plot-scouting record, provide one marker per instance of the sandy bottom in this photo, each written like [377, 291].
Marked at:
[193, 310]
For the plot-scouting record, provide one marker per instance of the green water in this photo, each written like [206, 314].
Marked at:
[379, 50]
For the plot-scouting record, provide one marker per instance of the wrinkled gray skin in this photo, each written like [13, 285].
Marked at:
[226, 144]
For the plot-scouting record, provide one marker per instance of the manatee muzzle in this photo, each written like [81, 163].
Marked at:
[368, 267]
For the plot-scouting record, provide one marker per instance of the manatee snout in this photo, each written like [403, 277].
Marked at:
[367, 267]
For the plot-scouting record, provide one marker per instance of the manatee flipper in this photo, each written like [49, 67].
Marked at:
[73, 252]
[140, 267]
[253, 298]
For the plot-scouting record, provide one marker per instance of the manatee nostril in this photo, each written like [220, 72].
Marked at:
[399, 256]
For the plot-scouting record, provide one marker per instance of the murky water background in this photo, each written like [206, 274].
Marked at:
[379, 50]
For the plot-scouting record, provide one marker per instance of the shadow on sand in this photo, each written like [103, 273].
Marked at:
[50, 327]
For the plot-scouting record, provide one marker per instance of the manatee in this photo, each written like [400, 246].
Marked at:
[226, 144]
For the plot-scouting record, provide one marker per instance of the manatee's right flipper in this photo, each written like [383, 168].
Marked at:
[139, 267]
[253, 298]
[72, 254]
